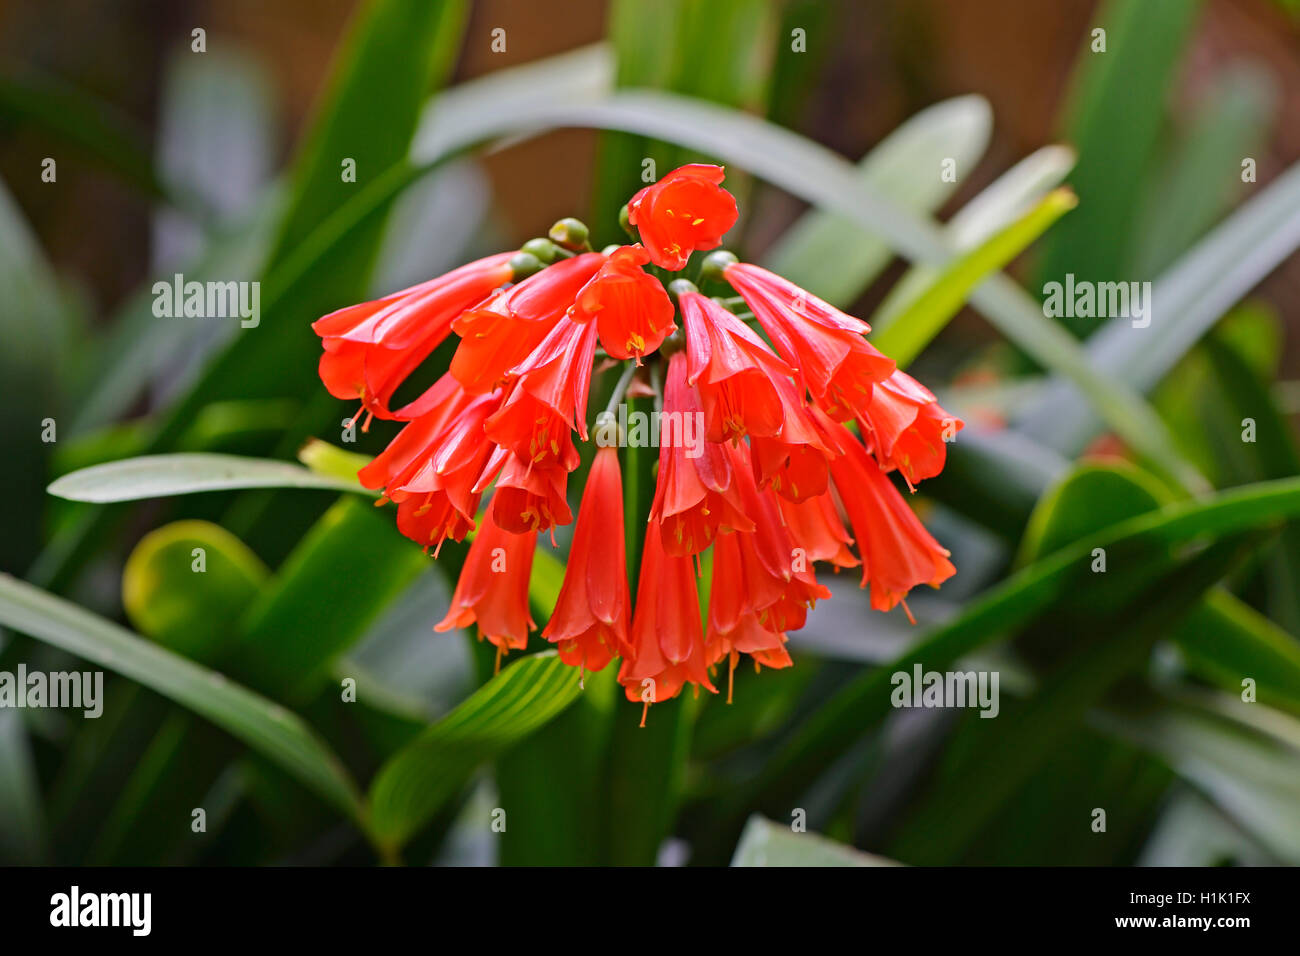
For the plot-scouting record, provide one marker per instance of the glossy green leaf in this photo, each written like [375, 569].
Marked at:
[264, 726]
[1010, 605]
[905, 335]
[1188, 298]
[348, 567]
[997, 206]
[185, 585]
[421, 778]
[157, 476]
[830, 253]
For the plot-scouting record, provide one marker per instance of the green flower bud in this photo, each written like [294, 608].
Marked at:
[715, 263]
[570, 233]
[679, 287]
[524, 264]
[545, 250]
[625, 222]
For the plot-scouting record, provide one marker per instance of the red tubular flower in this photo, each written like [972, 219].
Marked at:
[548, 398]
[528, 497]
[742, 591]
[897, 552]
[734, 371]
[816, 530]
[774, 551]
[694, 496]
[667, 638]
[436, 465]
[590, 622]
[631, 310]
[796, 462]
[835, 362]
[499, 333]
[684, 211]
[493, 588]
[372, 347]
[904, 427]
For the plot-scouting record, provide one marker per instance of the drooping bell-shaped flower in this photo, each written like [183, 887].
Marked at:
[528, 497]
[547, 398]
[734, 371]
[685, 211]
[501, 332]
[695, 496]
[816, 530]
[433, 466]
[590, 623]
[835, 362]
[630, 308]
[493, 588]
[897, 552]
[905, 427]
[795, 463]
[372, 347]
[667, 636]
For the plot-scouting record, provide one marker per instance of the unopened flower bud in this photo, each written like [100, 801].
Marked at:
[570, 233]
[545, 250]
[680, 287]
[715, 264]
[524, 264]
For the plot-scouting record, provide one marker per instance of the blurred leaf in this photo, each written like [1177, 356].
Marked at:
[22, 817]
[1253, 779]
[980, 776]
[262, 725]
[903, 337]
[830, 253]
[997, 206]
[1091, 497]
[395, 51]
[421, 778]
[185, 609]
[552, 786]
[36, 340]
[157, 476]
[215, 140]
[765, 843]
[1188, 192]
[1115, 132]
[349, 567]
[1021, 598]
[91, 126]
[1225, 641]
[672, 45]
[331, 460]
[1188, 299]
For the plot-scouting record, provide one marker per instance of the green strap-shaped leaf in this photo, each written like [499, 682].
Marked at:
[272, 731]
[904, 336]
[421, 778]
[157, 476]
[1008, 606]
[1187, 299]
[998, 205]
[765, 843]
[831, 253]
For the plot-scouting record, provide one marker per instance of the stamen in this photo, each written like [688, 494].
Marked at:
[907, 610]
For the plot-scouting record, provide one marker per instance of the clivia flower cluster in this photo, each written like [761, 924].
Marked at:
[803, 424]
